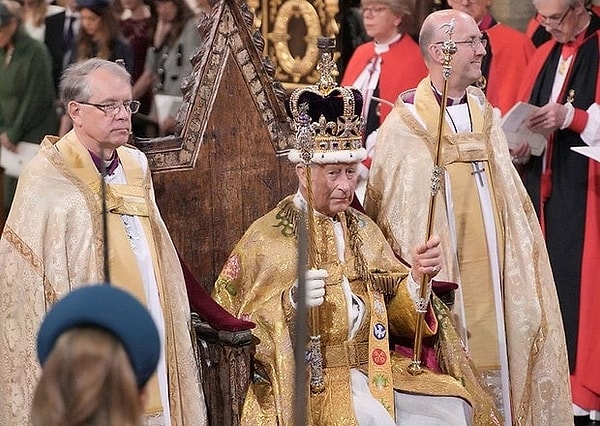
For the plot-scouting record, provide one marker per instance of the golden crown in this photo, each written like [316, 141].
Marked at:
[327, 118]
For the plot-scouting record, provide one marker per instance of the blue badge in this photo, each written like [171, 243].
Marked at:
[379, 331]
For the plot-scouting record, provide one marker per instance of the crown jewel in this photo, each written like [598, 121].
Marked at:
[327, 118]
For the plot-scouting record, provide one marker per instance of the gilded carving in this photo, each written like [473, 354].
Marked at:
[291, 29]
[296, 66]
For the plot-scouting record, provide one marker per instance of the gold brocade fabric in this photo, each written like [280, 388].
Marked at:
[52, 243]
[397, 198]
[460, 150]
[256, 281]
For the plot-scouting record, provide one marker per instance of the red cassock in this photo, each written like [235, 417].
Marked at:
[511, 51]
[575, 182]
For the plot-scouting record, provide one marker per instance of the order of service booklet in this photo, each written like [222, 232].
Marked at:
[13, 162]
[514, 124]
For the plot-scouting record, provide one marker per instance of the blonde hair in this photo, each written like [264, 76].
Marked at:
[87, 380]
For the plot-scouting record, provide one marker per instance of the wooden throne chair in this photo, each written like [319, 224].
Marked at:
[222, 169]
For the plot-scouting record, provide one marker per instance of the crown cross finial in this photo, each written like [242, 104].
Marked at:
[326, 66]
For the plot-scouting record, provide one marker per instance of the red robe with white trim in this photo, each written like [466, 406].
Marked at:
[402, 67]
[571, 211]
[511, 51]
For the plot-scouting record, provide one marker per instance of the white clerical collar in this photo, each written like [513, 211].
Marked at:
[384, 47]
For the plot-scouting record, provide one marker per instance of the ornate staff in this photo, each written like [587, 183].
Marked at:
[305, 142]
[448, 49]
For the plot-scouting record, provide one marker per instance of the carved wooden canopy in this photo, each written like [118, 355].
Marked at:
[224, 167]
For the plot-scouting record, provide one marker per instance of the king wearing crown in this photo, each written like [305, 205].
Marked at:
[361, 299]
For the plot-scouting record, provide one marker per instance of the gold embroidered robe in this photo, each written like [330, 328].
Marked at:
[397, 198]
[256, 281]
[52, 242]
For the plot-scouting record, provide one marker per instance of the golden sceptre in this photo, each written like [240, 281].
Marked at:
[448, 49]
[305, 139]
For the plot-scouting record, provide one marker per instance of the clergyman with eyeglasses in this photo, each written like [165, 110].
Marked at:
[54, 241]
[505, 302]
[563, 80]
[508, 53]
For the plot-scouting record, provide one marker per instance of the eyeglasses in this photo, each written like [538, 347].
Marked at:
[553, 21]
[474, 42]
[374, 10]
[113, 108]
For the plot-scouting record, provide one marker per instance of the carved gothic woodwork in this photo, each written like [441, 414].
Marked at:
[224, 358]
[225, 166]
[291, 29]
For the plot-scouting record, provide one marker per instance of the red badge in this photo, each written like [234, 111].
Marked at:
[379, 356]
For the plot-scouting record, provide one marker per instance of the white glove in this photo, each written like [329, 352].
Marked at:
[414, 289]
[315, 288]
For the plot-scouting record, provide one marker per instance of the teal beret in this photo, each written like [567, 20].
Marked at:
[113, 310]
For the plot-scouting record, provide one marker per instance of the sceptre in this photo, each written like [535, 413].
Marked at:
[448, 49]
[305, 140]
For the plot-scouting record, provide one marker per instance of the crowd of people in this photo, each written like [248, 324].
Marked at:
[426, 230]
[154, 39]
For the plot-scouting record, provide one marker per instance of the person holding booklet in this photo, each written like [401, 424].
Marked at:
[508, 53]
[505, 305]
[168, 60]
[522, 140]
[562, 79]
[27, 111]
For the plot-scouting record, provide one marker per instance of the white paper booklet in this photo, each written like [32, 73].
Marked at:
[166, 105]
[514, 124]
[13, 162]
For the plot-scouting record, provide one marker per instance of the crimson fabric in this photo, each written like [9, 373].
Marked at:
[207, 308]
[402, 68]
[511, 51]
[571, 214]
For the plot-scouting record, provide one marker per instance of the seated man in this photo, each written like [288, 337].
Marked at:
[359, 311]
